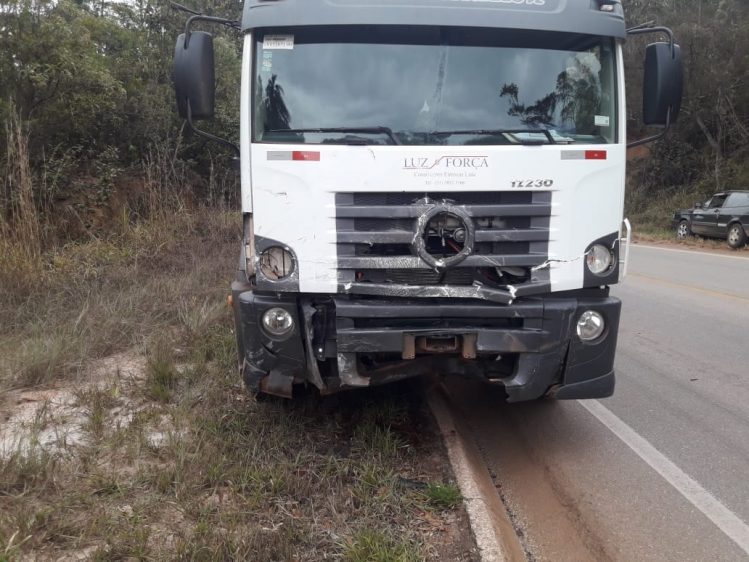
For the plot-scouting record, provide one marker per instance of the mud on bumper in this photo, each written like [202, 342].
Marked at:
[339, 342]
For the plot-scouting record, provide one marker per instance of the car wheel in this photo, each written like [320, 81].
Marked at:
[683, 231]
[736, 236]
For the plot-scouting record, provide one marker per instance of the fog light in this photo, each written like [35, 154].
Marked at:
[590, 326]
[599, 259]
[276, 263]
[278, 322]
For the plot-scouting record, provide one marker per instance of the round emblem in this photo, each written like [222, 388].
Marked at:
[445, 236]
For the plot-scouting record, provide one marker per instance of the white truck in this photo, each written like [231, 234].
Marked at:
[431, 186]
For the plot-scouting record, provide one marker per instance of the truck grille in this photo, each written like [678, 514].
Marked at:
[376, 232]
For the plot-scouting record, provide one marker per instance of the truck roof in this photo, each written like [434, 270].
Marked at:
[591, 17]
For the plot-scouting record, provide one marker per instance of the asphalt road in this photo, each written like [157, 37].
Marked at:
[661, 470]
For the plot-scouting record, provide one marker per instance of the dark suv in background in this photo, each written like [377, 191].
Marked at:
[725, 215]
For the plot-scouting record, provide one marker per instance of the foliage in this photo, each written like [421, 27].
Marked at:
[89, 85]
[708, 148]
[85, 88]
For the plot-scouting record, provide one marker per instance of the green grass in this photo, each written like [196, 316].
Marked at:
[375, 546]
[162, 376]
[444, 496]
[378, 440]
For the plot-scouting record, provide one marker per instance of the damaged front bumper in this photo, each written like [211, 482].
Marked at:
[341, 341]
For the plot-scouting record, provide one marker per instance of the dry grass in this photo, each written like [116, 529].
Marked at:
[20, 224]
[174, 460]
[94, 299]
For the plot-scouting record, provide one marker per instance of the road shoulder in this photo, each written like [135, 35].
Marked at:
[493, 531]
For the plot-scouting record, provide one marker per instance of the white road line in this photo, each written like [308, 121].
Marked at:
[712, 508]
[693, 252]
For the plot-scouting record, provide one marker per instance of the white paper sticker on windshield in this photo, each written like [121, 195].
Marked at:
[278, 42]
[267, 65]
[602, 121]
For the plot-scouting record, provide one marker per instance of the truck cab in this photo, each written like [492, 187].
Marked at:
[434, 187]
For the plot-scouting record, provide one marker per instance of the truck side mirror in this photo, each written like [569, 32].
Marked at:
[194, 75]
[698, 205]
[663, 85]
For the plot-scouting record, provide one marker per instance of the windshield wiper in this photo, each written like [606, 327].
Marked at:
[366, 130]
[498, 132]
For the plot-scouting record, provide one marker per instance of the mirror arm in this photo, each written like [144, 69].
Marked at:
[200, 17]
[654, 138]
[181, 8]
[209, 136]
[644, 28]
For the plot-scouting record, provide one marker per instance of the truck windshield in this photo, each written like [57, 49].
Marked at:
[433, 86]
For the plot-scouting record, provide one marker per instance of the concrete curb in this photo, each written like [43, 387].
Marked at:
[494, 533]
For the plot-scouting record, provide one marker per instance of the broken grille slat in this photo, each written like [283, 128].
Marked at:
[413, 262]
[514, 235]
[414, 211]
[376, 237]
[406, 237]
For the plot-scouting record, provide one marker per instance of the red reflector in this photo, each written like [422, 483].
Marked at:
[595, 155]
[305, 156]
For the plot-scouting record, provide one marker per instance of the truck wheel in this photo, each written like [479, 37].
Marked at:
[683, 231]
[736, 236]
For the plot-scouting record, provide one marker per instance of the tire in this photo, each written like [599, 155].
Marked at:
[683, 231]
[736, 236]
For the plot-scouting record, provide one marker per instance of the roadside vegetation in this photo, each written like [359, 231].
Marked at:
[708, 149]
[127, 434]
[89, 83]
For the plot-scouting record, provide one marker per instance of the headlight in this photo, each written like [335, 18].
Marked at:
[599, 259]
[590, 326]
[276, 263]
[278, 322]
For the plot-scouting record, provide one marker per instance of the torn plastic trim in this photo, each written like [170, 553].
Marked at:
[247, 259]
[612, 241]
[263, 356]
[475, 291]
[313, 369]
[348, 371]
[289, 284]
[416, 262]
[610, 277]
[627, 241]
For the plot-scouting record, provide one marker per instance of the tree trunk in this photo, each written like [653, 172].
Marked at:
[715, 144]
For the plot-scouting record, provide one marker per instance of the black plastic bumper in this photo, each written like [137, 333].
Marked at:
[331, 334]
